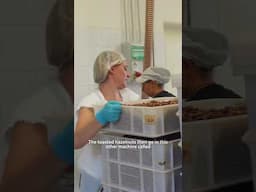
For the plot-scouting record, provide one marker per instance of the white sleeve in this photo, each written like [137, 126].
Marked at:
[87, 102]
[28, 111]
[90, 101]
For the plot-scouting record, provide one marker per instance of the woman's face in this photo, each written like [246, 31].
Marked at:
[120, 75]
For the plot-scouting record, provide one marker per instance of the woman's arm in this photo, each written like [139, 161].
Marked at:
[31, 164]
[89, 124]
[86, 128]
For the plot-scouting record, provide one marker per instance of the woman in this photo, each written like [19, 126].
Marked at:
[35, 133]
[110, 72]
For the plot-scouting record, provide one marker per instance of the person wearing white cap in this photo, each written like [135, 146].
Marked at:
[153, 80]
[110, 73]
[202, 51]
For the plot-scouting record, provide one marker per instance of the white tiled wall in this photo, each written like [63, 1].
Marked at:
[160, 58]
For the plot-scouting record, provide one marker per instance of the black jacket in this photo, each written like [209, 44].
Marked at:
[213, 91]
[164, 94]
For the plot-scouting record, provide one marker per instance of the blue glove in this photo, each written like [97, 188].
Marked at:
[63, 144]
[109, 113]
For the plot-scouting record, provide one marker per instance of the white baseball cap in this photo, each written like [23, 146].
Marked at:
[207, 48]
[158, 74]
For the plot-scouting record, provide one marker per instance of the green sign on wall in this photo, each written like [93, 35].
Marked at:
[137, 52]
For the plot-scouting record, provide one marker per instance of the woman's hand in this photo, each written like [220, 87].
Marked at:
[109, 113]
[89, 124]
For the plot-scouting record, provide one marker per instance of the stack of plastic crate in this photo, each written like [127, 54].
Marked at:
[148, 158]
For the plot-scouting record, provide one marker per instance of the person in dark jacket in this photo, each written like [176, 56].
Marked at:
[202, 51]
[153, 80]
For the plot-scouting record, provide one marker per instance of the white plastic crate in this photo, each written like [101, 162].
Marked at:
[157, 169]
[125, 178]
[218, 155]
[160, 157]
[147, 121]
